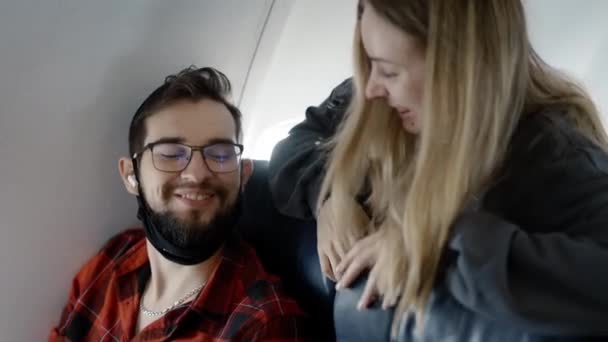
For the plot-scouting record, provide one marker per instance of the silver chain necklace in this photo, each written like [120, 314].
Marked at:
[177, 303]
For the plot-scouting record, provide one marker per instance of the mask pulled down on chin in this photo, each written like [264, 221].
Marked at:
[188, 243]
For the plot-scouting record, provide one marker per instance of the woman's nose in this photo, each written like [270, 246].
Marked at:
[375, 89]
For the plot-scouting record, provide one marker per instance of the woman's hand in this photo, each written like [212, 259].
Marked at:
[361, 258]
[333, 243]
[373, 253]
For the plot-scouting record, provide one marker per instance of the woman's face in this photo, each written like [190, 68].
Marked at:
[397, 67]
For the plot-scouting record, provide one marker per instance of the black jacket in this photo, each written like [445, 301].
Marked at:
[531, 262]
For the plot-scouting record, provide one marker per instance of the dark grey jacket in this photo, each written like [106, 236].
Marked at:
[531, 264]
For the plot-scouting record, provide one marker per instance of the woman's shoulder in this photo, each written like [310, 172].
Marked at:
[552, 174]
[551, 136]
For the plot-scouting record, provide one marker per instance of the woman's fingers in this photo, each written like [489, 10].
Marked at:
[352, 273]
[361, 257]
[356, 264]
[345, 262]
[370, 293]
[354, 252]
[329, 260]
[326, 265]
[334, 260]
[388, 302]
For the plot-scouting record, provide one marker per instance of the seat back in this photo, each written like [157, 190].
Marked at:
[288, 248]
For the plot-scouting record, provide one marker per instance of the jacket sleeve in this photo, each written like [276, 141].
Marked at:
[543, 280]
[297, 164]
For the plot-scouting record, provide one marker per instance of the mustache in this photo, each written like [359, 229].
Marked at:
[204, 186]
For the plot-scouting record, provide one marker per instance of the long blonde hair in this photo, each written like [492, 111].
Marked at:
[482, 77]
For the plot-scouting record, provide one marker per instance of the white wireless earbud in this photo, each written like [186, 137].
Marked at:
[132, 180]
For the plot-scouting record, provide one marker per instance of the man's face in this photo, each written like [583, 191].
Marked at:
[193, 198]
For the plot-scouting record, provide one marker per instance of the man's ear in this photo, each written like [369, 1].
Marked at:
[246, 172]
[125, 168]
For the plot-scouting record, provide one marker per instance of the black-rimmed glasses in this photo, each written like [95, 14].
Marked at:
[175, 157]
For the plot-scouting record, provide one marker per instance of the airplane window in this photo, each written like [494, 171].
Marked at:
[265, 142]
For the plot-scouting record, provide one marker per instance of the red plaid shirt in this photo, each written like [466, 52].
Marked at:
[240, 302]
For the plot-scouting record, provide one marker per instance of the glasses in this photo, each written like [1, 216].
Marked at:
[174, 157]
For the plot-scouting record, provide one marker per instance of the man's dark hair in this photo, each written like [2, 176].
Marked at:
[189, 84]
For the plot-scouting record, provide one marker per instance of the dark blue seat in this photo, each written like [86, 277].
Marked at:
[288, 248]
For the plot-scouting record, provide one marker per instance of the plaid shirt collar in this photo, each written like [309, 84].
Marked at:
[216, 301]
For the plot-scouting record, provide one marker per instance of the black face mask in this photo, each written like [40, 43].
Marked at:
[187, 243]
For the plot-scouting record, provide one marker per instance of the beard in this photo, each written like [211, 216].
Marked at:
[190, 241]
[191, 232]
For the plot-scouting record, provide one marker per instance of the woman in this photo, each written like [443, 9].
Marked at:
[484, 171]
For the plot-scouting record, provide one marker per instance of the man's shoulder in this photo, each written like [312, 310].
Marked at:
[122, 242]
[252, 271]
[105, 260]
[267, 296]
[274, 315]
[263, 291]
[271, 313]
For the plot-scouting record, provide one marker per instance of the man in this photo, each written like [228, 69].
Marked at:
[185, 276]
